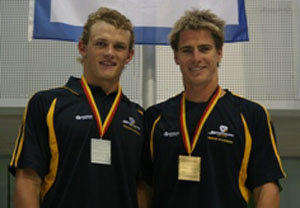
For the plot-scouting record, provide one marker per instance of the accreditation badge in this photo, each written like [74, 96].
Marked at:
[100, 151]
[189, 168]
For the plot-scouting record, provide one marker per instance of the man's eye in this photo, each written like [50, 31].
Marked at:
[120, 47]
[204, 49]
[100, 44]
[187, 50]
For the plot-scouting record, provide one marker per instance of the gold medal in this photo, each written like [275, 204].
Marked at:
[189, 168]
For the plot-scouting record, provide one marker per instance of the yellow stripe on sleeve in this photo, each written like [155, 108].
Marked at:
[152, 135]
[243, 171]
[140, 112]
[19, 141]
[50, 177]
[273, 141]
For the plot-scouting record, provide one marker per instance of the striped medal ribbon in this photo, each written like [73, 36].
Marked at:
[102, 128]
[189, 167]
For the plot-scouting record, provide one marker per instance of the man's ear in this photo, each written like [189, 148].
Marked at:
[130, 56]
[219, 54]
[175, 57]
[82, 48]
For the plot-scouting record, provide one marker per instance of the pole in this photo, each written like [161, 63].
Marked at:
[149, 77]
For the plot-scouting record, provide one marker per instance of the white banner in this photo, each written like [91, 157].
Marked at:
[149, 13]
[152, 19]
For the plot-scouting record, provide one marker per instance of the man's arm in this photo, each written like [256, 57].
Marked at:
[266, 195]
[27, 189]
[144, 192]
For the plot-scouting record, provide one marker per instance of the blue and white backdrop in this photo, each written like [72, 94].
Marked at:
[152, 19]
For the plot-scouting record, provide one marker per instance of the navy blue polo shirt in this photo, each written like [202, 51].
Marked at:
[237, 148]
[55, 141]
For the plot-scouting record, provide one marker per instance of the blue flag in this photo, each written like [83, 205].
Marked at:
[152, 19]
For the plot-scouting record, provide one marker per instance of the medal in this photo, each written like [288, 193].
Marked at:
[189, 166]
[100, 148]
[100, 151]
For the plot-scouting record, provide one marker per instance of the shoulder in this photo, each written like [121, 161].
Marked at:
[47, 96]
[42, 100]
[245, 104]
[71, 88]
[253, 111]
[133, 106]
[168, 107]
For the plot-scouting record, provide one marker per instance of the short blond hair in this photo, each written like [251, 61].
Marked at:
[195, 20]
[110, 16]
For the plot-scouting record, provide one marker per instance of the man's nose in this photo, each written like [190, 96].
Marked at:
[197, 55]
[109, 50]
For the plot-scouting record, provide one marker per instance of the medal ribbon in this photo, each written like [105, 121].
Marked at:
[183, 127]
[101, 128]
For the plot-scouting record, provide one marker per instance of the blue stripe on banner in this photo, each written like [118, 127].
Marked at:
[238, 33]
[152, 35]
[44, 29]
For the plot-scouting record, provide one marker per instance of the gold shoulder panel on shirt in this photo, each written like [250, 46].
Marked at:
[152, 135]
[53, 166]
[140, 112]
[19, 141]
[72, 91]
[244, 166]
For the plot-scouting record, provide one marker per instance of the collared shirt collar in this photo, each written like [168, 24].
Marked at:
[74, 85]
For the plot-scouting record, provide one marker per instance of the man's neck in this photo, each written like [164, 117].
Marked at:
[199, 94]
[107, 86]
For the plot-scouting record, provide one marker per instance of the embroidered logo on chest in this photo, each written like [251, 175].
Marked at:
[130, 124]
[221, 135]
[171, 133]
[83, 117]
